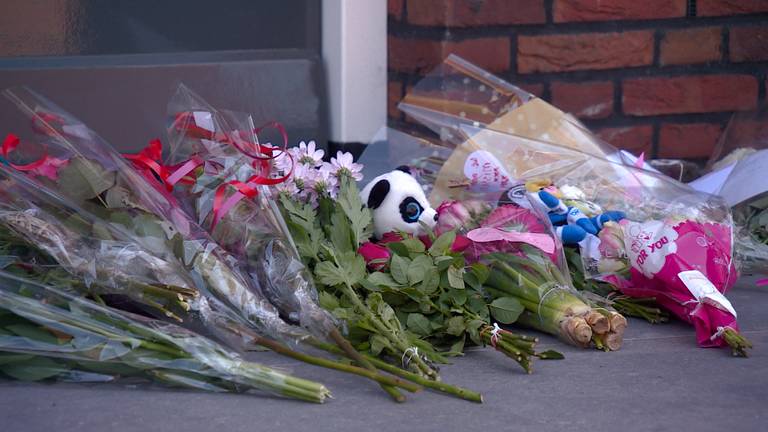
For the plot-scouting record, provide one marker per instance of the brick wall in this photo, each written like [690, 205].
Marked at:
[660, 76]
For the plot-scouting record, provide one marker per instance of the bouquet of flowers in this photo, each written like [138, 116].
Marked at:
[411, 298]
[637, 226]
[527, 266]
[46, 333]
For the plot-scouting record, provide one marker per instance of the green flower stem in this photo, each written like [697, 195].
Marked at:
[513, 282]
[317, 361]
[348, 350]
[410, 376]
[383, 329]
[738, 343]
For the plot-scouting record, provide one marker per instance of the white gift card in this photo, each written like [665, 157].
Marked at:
[704, 291]
[738, 182]
[486, 173]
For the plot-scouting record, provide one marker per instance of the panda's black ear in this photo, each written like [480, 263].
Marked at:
[378, 194]
[404, 168]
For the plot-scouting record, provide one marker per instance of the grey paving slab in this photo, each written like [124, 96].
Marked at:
[659, 380]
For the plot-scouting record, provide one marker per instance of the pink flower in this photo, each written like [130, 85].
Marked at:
[343, 165]
[451, 215]
[307, 154]
[376, 255]
[611, 241]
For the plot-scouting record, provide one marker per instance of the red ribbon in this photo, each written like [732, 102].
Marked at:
[9, 145]
[184, 122]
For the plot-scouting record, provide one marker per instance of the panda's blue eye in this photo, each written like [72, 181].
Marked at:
[411, 210]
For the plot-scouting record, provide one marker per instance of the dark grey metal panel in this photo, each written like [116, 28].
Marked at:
[96, 27]
[124, 98]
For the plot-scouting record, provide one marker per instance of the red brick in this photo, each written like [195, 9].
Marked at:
[730, 7]
[749, 43]
[467, 13]
[395, 8]
[688, 141]
[689, 94]
[557, 53]
[601, 10]
[534, 89]
[394, 94]
[748, 129]
[636, 139]
[590, 100]
[415, 55]
[689, 46]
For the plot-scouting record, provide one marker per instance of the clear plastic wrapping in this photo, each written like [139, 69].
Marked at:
[49, 334]
[236, 169]
[457, 93]
[60, 154]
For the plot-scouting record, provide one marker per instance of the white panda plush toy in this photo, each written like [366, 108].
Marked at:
[398, 203]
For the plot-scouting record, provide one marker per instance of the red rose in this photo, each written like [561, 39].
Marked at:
[376, 256]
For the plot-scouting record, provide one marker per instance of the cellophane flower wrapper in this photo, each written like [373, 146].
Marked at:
[81, 166]
[670, 233]
[46, 333]
[99, 255]
[252, 229]
[457, 93]
[740, 155]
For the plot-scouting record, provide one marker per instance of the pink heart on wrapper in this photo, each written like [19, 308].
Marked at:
[543, 242]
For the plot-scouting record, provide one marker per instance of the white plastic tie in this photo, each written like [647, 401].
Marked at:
[408, 355]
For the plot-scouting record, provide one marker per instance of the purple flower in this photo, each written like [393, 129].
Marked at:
[308, 154]
[343, 165]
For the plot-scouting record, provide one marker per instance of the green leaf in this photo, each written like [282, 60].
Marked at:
[7, 358]
[339, 231]
[34, 333]
[443, 244]
[414, 245]
[455, 326]
[382, 279]
[83, 179]
[443, 262]
[368, 286]
[379, 343]
[456, 277]
[506, 309]
[328, 301]
[419, 324]
[398, 268]
[457, 348]
[480, 271]
[399, 248]
[418, 269]
[329, 274]
[359, 216]
[431, 281]
[35, 369]
[473, 329]
[550, 355]
[459, 296]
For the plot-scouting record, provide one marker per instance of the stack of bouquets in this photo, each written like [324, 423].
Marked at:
[645, 233]
[97, 225]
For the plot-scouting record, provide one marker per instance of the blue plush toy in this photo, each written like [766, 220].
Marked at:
[571, 224]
